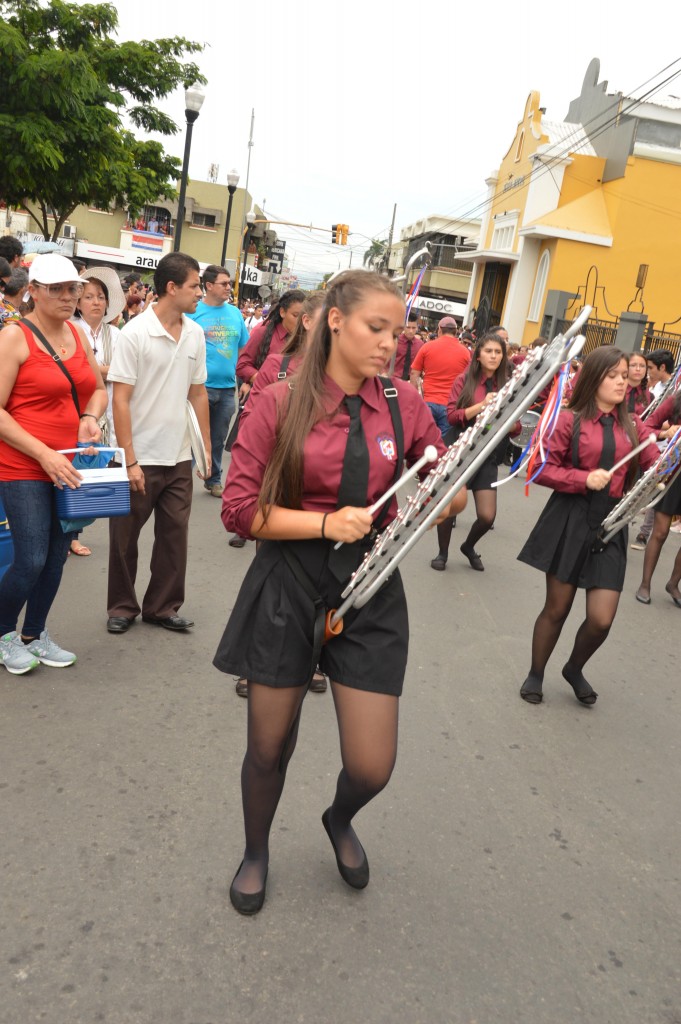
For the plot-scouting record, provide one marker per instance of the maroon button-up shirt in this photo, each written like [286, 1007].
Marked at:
[663, 413]
[642, 399]
[457, 417]
[561, 475]
[402, 343]
[267, 375]
[245, 367]
[324, 449]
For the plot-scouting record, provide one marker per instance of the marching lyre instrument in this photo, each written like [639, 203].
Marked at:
[459, 463]
[646, 492]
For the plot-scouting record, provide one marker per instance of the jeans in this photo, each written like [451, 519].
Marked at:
[221, 404]
[440, 416]
[40, 550]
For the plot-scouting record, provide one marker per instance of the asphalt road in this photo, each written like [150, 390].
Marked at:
[525, 860]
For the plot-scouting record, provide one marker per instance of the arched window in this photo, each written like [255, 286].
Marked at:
[539, 286]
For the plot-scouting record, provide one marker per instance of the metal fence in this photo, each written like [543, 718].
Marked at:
[596, 332]
[672, 342]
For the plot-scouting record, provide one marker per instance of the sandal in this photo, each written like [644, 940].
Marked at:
[79, 549]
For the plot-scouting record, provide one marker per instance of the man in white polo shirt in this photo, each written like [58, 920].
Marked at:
[159, 363]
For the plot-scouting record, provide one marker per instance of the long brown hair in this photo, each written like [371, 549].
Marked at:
[312, 303]
[303, 405]
[582, 401]
[474, 373]
[274, 318]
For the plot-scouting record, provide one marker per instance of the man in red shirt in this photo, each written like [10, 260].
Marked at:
[408, 344]
[436, 366]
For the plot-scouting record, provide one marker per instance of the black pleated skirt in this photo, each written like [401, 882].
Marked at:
[671, 502]
[269, 636]
[561, 544]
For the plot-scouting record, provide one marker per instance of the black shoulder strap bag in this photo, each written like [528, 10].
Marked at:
[39, 334]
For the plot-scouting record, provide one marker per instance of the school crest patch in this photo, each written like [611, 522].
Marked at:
[386, 443]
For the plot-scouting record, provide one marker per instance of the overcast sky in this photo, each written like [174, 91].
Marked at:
[359, 105]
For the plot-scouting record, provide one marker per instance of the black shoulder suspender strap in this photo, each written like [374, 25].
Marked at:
[575, 441]
[390, 392]
[39, 334]
[283, 369]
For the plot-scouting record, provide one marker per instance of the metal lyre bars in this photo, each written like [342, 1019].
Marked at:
[459, 463]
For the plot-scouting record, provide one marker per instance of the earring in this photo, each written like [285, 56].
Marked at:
[336, 330]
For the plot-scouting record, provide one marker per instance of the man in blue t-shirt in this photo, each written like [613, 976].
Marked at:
[226, 333]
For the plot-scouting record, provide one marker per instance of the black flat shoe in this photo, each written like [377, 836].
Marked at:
[174, 622]
[640, 597]
[241, 688]
[439, 563]
[358, 878]
[237, 542]
[319, 683]
[531, 690]
[676, 600]
[118, 624]
[247, 903]
[584, 692]
[473, 557]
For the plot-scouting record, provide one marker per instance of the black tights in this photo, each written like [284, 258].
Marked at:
[485, 511]
[601, 606]
[658, 536]
[367, 725]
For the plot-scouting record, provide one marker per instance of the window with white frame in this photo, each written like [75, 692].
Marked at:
[503, 235]
[539, 286]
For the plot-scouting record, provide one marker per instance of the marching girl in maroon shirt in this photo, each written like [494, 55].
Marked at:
[471, 392]
[269, 336]
[291, 356]
[665, 421]
[638, 395]
[313, 455]
[278, 366]
[591, 436]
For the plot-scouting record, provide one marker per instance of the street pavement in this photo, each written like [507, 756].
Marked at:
[524, 860]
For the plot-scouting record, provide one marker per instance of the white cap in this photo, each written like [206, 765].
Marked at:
[51, 268]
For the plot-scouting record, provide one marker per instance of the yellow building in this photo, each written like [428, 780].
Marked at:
[584, 211]
[108, 236]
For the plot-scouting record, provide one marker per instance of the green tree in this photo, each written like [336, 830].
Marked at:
[65, 88]
[374, 254]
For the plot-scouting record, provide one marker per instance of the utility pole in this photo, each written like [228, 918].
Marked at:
[390, 237]
[248, 171]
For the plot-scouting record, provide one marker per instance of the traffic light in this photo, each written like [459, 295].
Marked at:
[344, 233]
[336, 234]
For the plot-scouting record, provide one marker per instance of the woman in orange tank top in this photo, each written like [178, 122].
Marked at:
[38, 416]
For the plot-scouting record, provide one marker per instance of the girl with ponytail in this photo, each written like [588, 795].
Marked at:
[314, 454]
[269, 336]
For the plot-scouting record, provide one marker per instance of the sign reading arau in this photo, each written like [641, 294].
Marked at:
[125, 257]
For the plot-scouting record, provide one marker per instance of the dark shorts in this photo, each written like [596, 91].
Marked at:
[484, 477]
[561, 545]
[269, 636]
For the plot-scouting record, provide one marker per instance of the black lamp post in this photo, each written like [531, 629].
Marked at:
[232, 182]
[193, 98]
[250, 223]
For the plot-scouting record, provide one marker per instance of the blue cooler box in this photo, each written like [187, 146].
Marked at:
[103, 493]
[6, 545]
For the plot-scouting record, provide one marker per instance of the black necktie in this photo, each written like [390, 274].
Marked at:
[353, 486]
[407, 362]
[607, 459]
[600, 501]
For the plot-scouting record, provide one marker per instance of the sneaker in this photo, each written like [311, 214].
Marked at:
[216, 490]
[49, 653]
[14, 656]
[640, 543]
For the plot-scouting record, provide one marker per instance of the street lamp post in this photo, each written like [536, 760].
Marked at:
[232, 182]
[193, 98]
[250, 223]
